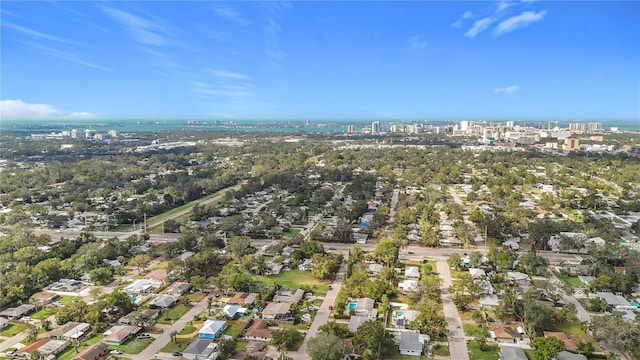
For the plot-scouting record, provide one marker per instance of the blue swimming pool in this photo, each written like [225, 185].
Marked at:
[633, 303]
[399, 313]
[352, 306]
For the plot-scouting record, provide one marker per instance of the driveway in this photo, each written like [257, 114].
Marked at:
[322, 316]
[165, 337]
[455, 336]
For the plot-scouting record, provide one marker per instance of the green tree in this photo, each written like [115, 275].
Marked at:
[371, 338]
[333, 328]
[326, 347]
[286, 339]
[454, 261]
[386, 252]
[140, 261]
[546, 348]
[586, 348]
[227, 347]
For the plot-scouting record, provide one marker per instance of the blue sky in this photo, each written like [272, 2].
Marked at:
[520, 60]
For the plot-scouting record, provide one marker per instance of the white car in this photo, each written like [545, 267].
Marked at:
[115, 352]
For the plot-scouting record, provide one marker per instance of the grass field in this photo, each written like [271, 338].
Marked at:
[440, 350]
[178, 345]
[233, 330]
[294, 279]
[134, 346]
[66, 300]
[187, 330]
[575, 332]
[13, 329]
[395, 355]
[70, 352]
[158, 219]
[173, 314]
[572, 281]
[490, 353]
[472, 330]
[44, 313]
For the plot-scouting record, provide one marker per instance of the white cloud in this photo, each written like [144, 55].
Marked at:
[227, 74]
[65, 55]
[142, 30]
[504, 5]
[458, 23]
[416, 42]
[507, 90]
[519, 21]
[231, 15]
[20, 110]
[479, 26]
[272, 41]
[202, 88]
[33, 33]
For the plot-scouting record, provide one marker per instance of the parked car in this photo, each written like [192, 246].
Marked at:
[177, 353]
[115, 352]
[143, 336]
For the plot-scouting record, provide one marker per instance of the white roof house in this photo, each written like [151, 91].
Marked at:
[476, 273]
[408, 285]
[412, 272]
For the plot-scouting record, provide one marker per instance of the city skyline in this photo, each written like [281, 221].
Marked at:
[525, 60]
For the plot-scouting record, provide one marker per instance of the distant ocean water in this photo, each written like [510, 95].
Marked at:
[283, 126]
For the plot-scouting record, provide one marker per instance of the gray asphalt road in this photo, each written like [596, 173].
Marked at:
[457, 342]
[322, 317]
[165, 337]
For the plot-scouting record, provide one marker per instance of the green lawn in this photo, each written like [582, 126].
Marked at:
[490, 353]
[133, 346]
[187, 330]
[173, 314]
[316, 302]
[233, 330]
[294, 279]
[572, 281]
[44, 313]
[472, 330]
[241, 345]
[13, 329]
[178, 345]
[195, 296]
[299, 326]
[160, 265]
[66, 300]
[70, 352]
[575, 332]
[440, 350]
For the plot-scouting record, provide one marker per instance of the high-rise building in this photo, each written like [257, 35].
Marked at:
[595, 126]
[74, 133]
[553, 125]
[375, 127]
[464, 125]
[577, 127]
[351, 129]
[510, 124]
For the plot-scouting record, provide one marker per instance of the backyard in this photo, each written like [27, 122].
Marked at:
[294, 279]
[134, 346]
[13, 329]
[490, 352]
[173, 314]
[177, 345]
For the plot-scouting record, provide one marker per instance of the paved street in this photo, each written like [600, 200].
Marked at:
[165, 337]
[457, 342]
[322, 317]
[12, 342]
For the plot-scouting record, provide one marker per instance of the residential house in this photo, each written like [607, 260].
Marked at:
[408, 285]
[360, 238]
[410, 343]
[586, 280]
[142, 286]
[289, 295]
[477, 273]
[518, 278]
[621, 269]
[364, 307]
[306, 265]
[144, 317]
[279, 312]
[119, 334]
[287, 251]
[165, 301]
[178, 288]
[568, 343]
[412, 272]
[3, 323]
[566, 355]
[259, 331]
[185, 255]
[571, 242]
[243, 298]
[93, 352]
[489, 301]
[355, 322]
[70, 331]
[201, 349]
[43, 298]
[159, 275]
[16, 313]
[112, 263]
[211, 329]
[374, 269]
[613, 300]
[402, 318]
[273, 268]
[503, 334]
[511, 353]
[47, 348]
[233, 311]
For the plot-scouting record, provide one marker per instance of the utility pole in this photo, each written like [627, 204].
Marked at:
[145, 222]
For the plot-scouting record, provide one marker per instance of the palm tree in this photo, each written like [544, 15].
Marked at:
[209, 305]
[174, 335]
